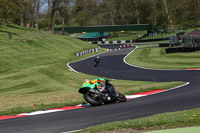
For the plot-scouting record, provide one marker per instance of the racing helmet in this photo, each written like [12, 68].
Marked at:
[86, 80]
[102, 84]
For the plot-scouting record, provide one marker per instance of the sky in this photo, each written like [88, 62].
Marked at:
[44, 8]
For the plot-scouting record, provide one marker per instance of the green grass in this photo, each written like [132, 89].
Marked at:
[133, 87]
[147, 45]
[157, 58]
[21, 33]
[155, 122]
[123, 37]
[34, 71]
[126, 35]
[162, 35]
[130, 36]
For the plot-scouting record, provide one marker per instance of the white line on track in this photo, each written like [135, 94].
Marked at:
[137, 96]
[81, 60]
[73, 131]
[145, 67]
[187, 83]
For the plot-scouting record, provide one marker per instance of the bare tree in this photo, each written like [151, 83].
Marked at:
[32, 12]
[135, 4]
[39, 4]
[155, 11]
[195, 11]
[52, 7]
[166, 11]
[22, 6]
[64, 11]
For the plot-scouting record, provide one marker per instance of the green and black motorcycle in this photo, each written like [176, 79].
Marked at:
[98, 97]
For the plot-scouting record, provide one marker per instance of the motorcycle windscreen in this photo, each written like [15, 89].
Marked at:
[84, 90]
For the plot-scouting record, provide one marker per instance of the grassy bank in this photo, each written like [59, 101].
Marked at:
[162, 121]
[33, 71]
[123, 37]
[157, 58]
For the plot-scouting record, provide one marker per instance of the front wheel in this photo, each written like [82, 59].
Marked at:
[94, 101]
[121, 97]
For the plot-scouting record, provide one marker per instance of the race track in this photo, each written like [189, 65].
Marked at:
[112, 66]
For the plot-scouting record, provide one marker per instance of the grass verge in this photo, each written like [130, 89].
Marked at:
[33, 71]
[157, 58]
[184, 118]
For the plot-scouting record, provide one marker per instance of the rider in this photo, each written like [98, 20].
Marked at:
[99, 83]
[96, 60]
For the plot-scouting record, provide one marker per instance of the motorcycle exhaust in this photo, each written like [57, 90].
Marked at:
[94, 91]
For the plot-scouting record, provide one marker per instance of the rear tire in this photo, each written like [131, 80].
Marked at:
[93, 102]
[121, 97]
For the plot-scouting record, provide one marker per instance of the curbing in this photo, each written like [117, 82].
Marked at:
[113, 42]
[87, 105]
[138, 95]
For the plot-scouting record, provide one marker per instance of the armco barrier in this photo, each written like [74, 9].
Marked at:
[169, 44]
[87, 52]
[129, 41]
[182, 49]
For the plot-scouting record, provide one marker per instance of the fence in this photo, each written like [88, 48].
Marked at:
[87, 52]
[182, 49]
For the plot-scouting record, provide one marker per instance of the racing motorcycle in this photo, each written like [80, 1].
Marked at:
[97, 97]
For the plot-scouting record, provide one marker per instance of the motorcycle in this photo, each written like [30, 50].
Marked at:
[96, 64]
[97, 97]
[96, 61]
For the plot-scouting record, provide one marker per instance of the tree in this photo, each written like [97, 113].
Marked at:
[64, 11]
[135, 5]
[32, 12]
[85, 12]
[53, 6]
[8, 8]
[38, 4]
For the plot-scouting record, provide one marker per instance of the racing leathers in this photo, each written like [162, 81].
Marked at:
[99, 83]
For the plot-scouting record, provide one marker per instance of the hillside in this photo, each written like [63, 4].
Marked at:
[33, 64]
[33, 71]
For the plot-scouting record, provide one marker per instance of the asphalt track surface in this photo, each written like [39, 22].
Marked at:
[112, 66]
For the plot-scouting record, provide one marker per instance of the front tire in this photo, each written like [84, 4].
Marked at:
[94, 102]
[121, 97]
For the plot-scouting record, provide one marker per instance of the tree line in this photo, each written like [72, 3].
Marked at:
[159, 13]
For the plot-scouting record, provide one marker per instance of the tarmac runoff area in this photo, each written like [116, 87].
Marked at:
[178, 130]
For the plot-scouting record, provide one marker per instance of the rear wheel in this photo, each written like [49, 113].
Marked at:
[121, 97]
[92, 99]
